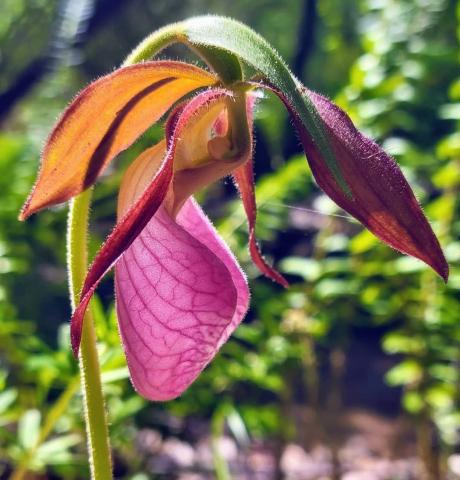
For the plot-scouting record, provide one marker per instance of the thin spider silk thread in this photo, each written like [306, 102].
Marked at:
[263, 205]
[309, 210]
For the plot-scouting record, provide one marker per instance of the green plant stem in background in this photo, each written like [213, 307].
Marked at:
[221, 469]
[93, 400]
[53, 416]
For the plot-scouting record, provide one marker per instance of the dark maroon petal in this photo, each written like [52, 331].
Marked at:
[120, 239]
[133, 222]
[381, 199]
[244, 178]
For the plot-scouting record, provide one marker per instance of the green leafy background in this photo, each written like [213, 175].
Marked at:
[361, 329]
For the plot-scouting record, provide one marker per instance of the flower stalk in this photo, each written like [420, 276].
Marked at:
[98, 439]
[91, 385]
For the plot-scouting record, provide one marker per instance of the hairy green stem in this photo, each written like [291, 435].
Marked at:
[227, 66]
[77, 261]
[93, 400]
[224, 63]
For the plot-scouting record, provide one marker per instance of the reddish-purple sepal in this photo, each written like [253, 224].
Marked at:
[379, 195]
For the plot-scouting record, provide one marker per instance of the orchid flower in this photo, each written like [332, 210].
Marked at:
[180, 293]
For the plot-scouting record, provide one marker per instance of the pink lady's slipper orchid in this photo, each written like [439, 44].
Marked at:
[180, 292]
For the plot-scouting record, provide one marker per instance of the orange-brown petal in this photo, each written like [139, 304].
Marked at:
[105, 119]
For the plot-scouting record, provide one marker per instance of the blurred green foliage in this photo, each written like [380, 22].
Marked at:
[393, 66]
